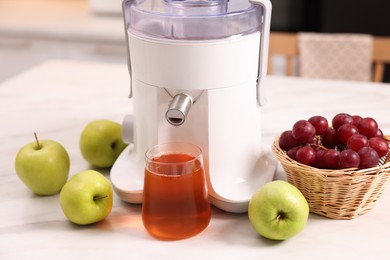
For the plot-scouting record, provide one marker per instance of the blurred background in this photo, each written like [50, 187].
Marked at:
[32, 31]
[332, 16]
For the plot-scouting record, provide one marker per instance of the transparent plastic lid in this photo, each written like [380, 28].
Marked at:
[192, 19]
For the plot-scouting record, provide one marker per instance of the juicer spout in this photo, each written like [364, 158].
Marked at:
[178, 109]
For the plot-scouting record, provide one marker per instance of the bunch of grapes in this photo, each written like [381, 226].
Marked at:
[350, 142]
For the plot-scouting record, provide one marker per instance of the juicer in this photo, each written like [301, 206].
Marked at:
[196, 75]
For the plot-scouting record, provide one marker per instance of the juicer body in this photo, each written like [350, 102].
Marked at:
[221, 76]
[225, 119]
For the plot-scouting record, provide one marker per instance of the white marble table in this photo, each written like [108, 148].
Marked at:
[58, 98]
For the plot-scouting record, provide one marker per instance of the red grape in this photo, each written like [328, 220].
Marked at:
[356, 119]
[330, 138]
[320, 124]
[380, 145]
[379, 133]
[368, 127]
[319, 161]
[331, 159]
[292, 153]
[357, 141]
[287, 141]
[303, 131]
[345, 132]
[306, 155]
[341, 119]
[368, 158]
[349, 159]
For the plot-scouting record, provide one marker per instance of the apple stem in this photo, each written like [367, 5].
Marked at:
[281, 215]
[36, 139]
[100, 197]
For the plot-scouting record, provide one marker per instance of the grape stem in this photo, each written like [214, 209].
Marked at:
[318, 145]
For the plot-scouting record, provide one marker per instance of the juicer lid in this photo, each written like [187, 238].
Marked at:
[192, 19]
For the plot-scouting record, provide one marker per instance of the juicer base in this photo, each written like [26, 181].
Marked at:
[127, 176]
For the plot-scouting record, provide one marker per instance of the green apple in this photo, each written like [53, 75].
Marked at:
[86, 198]
[278, 210]
[43, 166]
[101, 143]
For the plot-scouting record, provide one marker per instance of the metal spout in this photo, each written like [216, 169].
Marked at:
[178, 109]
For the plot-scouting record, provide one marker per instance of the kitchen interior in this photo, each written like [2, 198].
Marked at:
[32, 31]
[63, 64]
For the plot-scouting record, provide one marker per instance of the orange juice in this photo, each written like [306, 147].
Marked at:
[175, 202]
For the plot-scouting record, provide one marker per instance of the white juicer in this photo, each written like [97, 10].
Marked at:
[196, 69]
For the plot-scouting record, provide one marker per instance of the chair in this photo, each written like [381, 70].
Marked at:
[380, 56]
[284, 44]
[287, 45]
[335, 56]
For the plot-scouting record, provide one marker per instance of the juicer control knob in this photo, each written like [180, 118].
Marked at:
[127, 129]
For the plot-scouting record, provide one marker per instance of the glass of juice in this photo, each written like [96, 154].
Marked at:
[175, 198]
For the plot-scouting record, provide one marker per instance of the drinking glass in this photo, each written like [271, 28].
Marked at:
[175, 198]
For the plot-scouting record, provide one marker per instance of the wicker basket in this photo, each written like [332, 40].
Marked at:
[336, 194]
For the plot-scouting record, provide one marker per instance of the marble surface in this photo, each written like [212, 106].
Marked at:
[57, 99]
